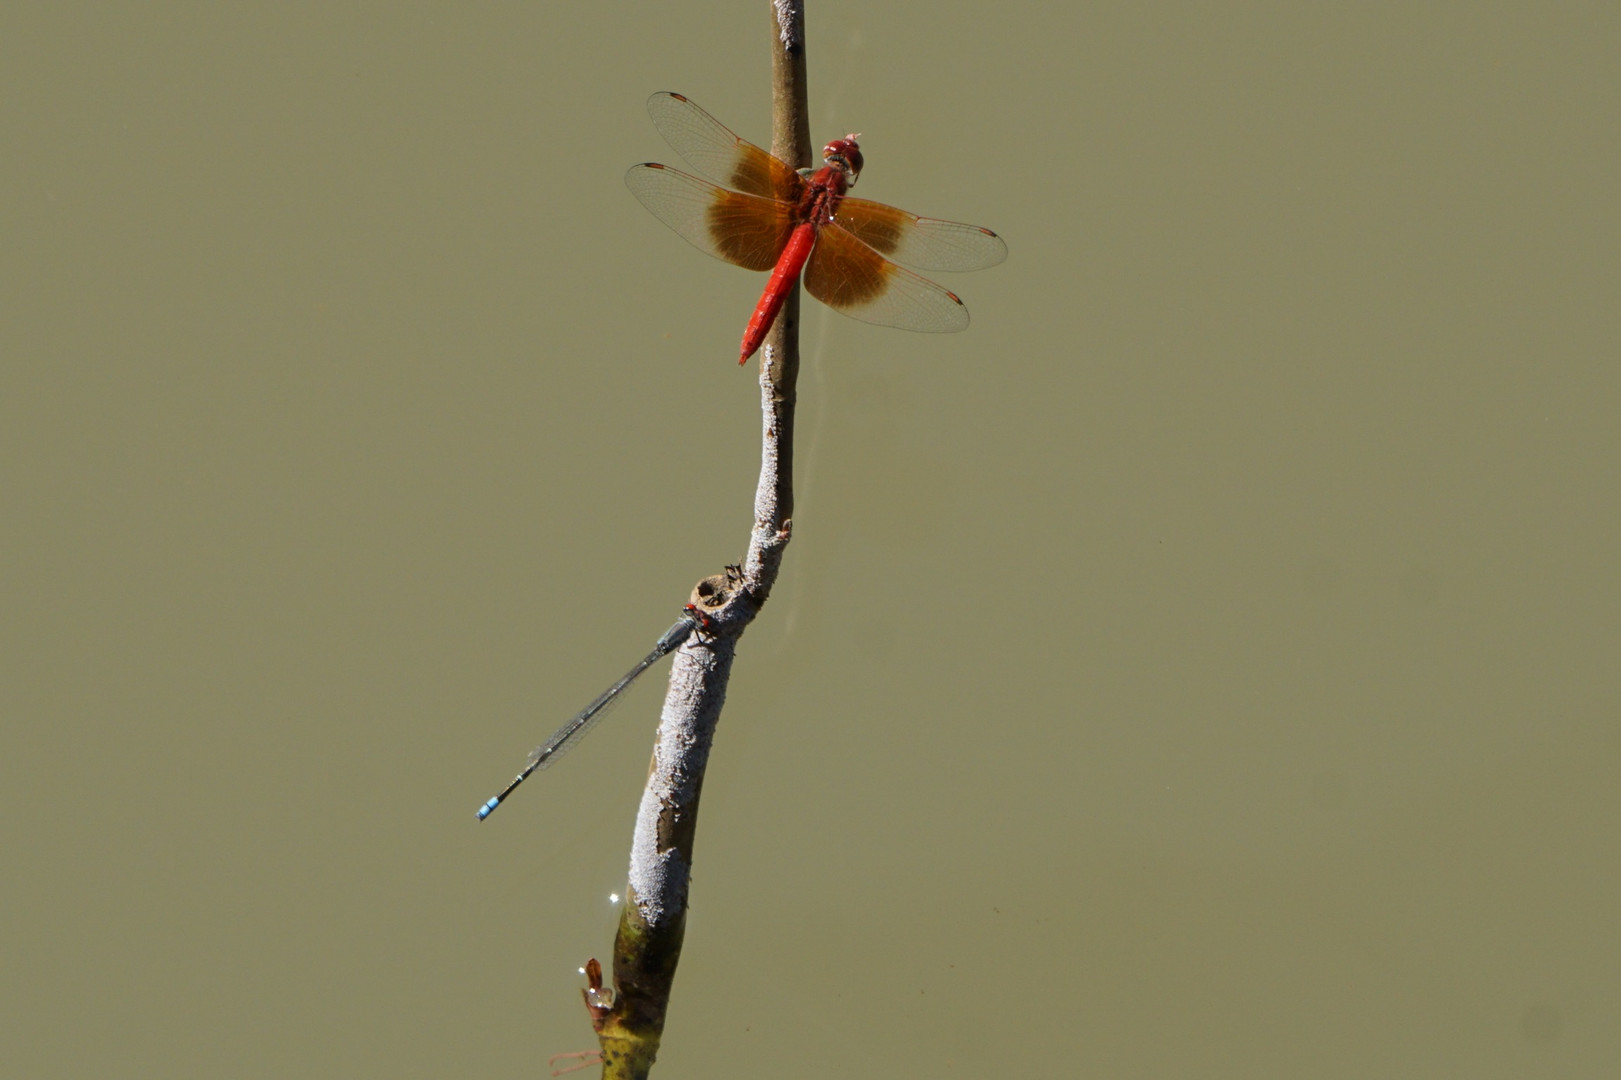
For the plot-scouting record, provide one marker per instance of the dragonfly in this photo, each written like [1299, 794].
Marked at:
[771, 216]
[580, 724]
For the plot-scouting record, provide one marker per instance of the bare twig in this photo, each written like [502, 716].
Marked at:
[653, 921]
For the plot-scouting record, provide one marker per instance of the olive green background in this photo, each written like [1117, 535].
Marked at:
[1209, 664]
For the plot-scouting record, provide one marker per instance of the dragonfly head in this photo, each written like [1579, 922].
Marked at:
[845, 155]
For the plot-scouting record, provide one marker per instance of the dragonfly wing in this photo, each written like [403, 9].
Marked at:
[745, 230]
[853, 279]
[708, 146]
[926, 243]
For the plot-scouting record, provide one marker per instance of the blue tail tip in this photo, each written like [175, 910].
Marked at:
[488, 808]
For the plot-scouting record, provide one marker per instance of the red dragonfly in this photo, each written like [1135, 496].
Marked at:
[785, 220]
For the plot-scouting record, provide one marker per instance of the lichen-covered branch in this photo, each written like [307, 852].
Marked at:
[630, 1021]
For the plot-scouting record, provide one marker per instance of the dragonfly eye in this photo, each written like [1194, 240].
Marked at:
[844, 153]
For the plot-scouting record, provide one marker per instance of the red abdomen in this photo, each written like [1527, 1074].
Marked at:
[783, 276]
